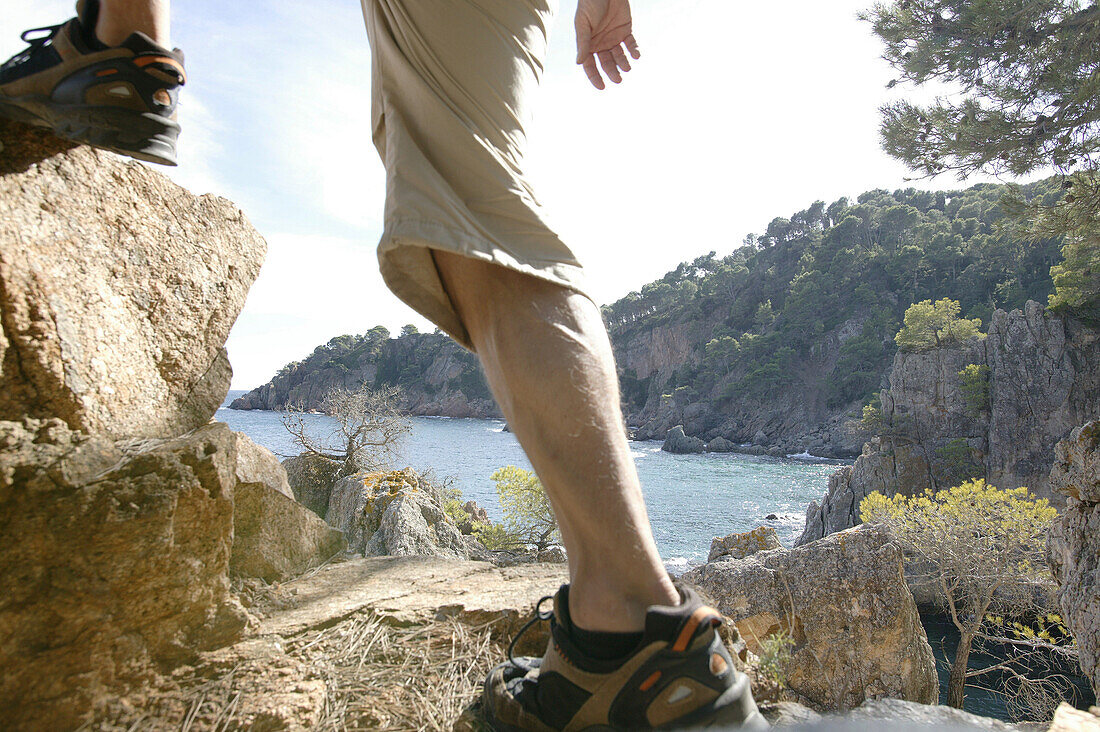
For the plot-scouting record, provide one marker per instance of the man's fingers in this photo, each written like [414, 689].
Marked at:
[620, 58]
[607, 61]
[632, 46]
[593, 74]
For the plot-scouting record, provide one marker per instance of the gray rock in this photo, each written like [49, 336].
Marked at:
[258, 466]
[393, 513]
[739, 546]
[679, 443]
[845, 603]
[553, 555]
[788, 714]
[475, 516]
[1073, 546]
[117, 290]
[720, 444]
[115, 557]
[311, 479]
[274, 536]
[925, 716]
[760, 438]
[1045, 380]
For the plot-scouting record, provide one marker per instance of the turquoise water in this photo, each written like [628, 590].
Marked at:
[691, 498]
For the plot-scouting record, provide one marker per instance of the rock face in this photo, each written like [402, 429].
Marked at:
[114, 557]
[795, 419]
[393, 514]
[123, 512]
[311, 478]
[1044, 373]
[739, 546]
[845, 603]
[114, 314]
[274, 536]
[679, 443]
[1073, 546]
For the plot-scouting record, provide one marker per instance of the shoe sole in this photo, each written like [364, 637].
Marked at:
[141, 135]
[735, 709]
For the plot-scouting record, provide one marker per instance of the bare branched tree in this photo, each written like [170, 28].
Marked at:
[368, 428]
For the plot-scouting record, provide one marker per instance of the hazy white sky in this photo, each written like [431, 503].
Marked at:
[735, 114]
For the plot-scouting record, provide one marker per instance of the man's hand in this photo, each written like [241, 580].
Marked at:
[603, 30]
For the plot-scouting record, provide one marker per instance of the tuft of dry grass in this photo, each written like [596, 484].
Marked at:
[423, 677]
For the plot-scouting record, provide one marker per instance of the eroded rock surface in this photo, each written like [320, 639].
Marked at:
[739, 546]
[845, 603]
[1044, 373]
[680, 444]
[1073, 546]
[117, 290]
[393, 514]
[114, 557]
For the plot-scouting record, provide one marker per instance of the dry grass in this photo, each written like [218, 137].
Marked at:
[366, 675]
[422, 677]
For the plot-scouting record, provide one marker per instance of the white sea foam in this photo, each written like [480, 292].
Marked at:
[805, 456]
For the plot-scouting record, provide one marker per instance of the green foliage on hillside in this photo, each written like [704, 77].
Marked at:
[762, 312]
[1025, 94]
[398, 362]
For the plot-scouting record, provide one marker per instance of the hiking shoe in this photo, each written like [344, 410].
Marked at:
[120, 98]
[680, 675]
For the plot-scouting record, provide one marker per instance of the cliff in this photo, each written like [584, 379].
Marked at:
[1043, 381]
[436, 375]
[779, 343]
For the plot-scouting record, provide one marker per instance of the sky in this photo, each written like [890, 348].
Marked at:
[736, 113]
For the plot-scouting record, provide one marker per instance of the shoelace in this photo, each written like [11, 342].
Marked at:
[33, 45]
[539, 615]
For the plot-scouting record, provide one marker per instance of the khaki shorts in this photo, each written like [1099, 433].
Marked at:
[451, 83]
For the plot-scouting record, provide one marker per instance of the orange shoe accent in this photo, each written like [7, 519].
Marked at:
[143, 61]
[718, 664]
[650, 681]
[702, 613]
[106, 72]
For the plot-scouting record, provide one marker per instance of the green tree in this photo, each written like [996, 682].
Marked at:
[408, 330]
[930, 324]
[1028, 92]
[974, 383]
[528, 515]
[982, 547]
[1028, 96]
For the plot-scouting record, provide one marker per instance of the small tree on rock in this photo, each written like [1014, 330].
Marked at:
[932, 324]
[528, 515]
[983, 549]
[367, 433]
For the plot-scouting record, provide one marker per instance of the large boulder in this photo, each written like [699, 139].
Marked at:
[1073, 546]
[844, 602]
[115, 557]
[679, 443]
[274, 536]
[393, 514]
[311, 478]
[117, 290]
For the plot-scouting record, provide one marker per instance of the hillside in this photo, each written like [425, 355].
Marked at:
[776, 343]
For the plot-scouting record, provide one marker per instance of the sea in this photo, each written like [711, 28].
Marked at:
[690, 498]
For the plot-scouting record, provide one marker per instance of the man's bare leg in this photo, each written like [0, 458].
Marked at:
[549, 363]
[119, 18]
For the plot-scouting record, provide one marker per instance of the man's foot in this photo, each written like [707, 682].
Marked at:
[680, 675]
[120, 98]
